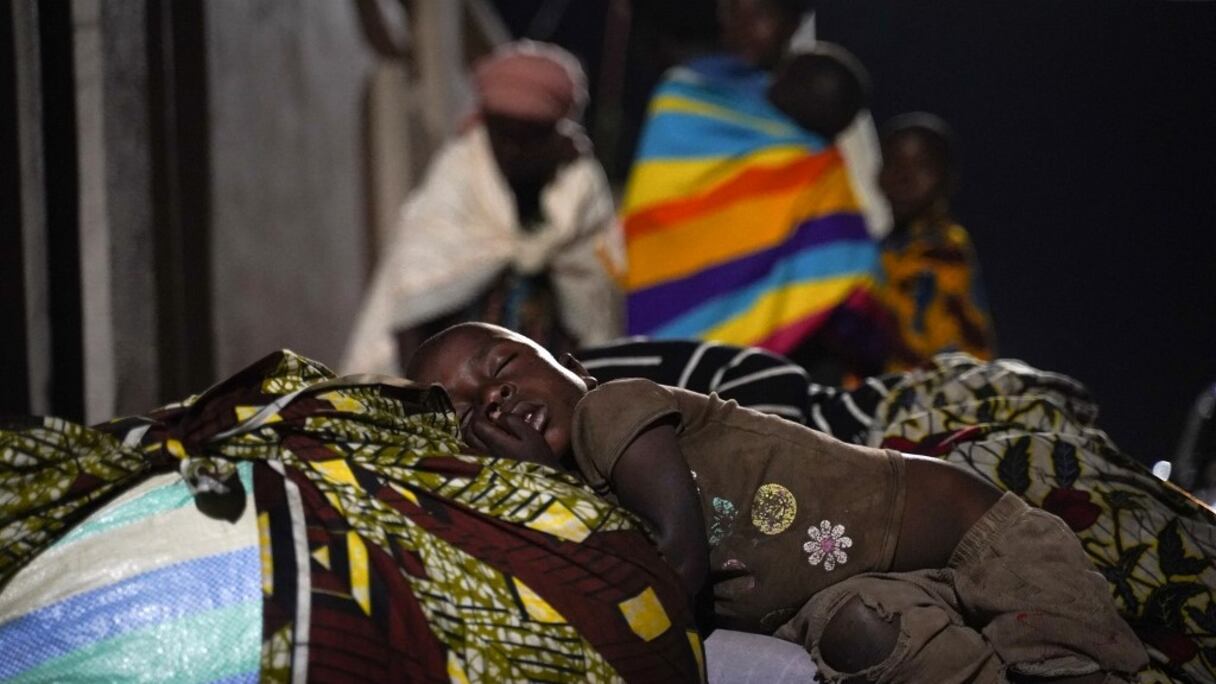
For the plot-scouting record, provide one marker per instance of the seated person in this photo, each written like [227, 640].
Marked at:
[519, 183]
[800, 533]
[931, 274]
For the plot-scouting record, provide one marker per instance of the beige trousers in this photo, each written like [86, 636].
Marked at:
[1019, 596]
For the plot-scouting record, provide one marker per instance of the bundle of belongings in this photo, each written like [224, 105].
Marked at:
[289, 525]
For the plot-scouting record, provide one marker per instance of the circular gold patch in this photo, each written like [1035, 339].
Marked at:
[773, 508]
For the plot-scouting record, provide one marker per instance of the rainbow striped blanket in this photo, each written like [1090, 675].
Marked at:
[740, 226]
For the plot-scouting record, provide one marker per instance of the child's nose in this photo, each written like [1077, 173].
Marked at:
[494, 402]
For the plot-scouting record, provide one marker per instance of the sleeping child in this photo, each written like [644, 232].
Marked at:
[833, 546]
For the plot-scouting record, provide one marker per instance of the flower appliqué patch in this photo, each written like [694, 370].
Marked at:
[723, 522]
[827, 545]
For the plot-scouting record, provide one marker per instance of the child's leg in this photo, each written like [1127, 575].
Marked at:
[1020, 598]
[1022, 578]
[902, 627]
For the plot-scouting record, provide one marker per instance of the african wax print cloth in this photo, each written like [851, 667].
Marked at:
[1032, 433]
[931, 284]
[385, 553]
[740, 227]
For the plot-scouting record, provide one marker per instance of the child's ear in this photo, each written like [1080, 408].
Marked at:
[571, 364]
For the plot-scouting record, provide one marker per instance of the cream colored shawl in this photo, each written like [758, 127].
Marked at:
[459, 230]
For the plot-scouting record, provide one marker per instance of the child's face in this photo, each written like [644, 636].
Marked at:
[487, 371]
[913, 176]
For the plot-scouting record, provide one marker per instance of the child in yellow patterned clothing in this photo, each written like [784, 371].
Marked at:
[931, 280]
[798, 534]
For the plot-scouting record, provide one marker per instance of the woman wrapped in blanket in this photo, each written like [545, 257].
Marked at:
[742, 222]
[1023, 430]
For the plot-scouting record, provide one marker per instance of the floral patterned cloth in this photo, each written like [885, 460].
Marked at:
[1032, 433]
[386, 553]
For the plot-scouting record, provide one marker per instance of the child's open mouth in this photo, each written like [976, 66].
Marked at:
[535, 415]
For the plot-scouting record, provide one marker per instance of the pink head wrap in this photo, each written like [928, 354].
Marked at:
[530, 80]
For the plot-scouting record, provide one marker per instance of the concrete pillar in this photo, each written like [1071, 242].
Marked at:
[129, 207]
[94, 227]
[285, 83]
[33, 208]
[438, 36]
[118, 289]
[389, 149]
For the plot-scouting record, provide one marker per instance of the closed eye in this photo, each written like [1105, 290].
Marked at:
[503, 364]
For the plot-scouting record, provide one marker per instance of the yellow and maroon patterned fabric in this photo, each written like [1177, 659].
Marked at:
[387, 554]
[931, 285]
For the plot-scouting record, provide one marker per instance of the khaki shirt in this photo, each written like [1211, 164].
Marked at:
[788, 510]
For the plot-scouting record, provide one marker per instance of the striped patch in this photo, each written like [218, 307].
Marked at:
[113, 617]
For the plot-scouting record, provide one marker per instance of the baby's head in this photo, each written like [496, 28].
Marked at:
[822, 90]
[918, 166]
[488, 370]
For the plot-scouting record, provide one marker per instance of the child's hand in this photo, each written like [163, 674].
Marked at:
[509, 436]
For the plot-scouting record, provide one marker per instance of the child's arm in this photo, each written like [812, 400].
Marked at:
[942, 503]
[652, 480]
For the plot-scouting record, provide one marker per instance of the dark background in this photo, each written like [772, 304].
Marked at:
[1089, 180]
[1088, 168]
